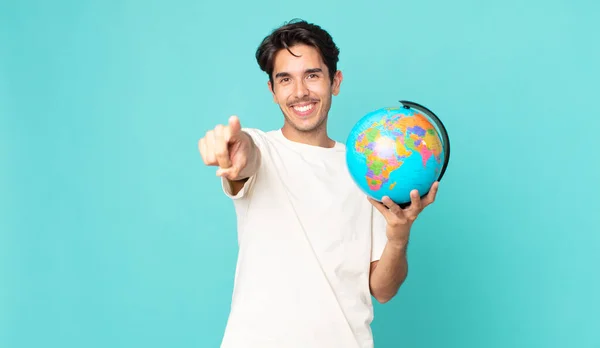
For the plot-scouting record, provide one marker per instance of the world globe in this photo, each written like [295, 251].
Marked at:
[394, 150]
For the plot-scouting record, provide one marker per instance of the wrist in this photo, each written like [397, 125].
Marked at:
[398, 245]
[253, 158]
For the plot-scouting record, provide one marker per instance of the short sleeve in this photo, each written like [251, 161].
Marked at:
[226, 186]
[378, 234]
[258, 139]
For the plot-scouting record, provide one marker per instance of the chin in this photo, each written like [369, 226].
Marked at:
[306, 125]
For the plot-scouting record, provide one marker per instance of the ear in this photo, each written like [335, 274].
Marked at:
[270, 85]
[337, 81]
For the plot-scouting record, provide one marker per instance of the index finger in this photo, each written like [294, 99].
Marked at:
[233, 129]
[393, 207]
[221, 148]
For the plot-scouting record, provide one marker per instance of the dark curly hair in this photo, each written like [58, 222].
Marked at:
[294, 32]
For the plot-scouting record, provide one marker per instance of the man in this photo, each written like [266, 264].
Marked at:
[312, 247]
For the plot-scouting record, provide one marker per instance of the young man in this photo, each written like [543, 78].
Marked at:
[312, 248]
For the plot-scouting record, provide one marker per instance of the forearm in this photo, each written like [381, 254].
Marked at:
[390, 272]
[253, 159]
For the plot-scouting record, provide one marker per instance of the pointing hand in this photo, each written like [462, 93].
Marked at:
[227, 147]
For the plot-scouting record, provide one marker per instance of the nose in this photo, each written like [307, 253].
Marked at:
[301, 89]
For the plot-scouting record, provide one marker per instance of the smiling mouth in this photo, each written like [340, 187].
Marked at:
[304, 109]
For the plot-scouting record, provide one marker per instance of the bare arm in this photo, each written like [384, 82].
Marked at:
[388, 274]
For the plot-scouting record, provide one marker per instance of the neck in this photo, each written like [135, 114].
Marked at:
[316, 137]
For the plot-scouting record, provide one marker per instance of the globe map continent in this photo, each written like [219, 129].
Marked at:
[388, 142]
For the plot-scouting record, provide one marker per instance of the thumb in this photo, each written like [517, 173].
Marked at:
[230, 173]
[379, 206]
[234, 128]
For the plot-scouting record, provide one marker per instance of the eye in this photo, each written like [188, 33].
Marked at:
[311, 76]
[284, 79]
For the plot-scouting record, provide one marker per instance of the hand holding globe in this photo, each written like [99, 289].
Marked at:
[397, 156]
[399, 220]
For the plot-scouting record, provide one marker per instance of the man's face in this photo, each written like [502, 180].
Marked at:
[302, 87]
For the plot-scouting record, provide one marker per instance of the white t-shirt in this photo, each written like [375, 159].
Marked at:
[306, 237]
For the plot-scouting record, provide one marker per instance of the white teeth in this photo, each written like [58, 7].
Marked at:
[303, 108]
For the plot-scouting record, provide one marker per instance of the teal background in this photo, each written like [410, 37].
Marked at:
[114, 234]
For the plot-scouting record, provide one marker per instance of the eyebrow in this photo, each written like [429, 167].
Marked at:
[308, 71]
